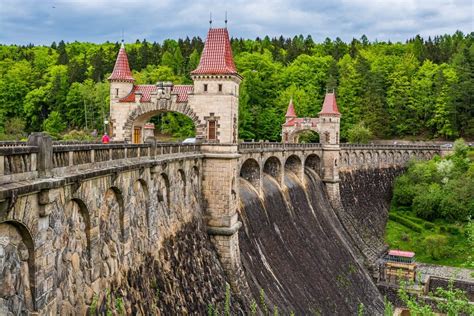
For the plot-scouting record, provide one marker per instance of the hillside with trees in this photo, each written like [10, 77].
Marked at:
[422, 88]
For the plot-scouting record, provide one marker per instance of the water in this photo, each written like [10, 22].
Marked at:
[292, 248]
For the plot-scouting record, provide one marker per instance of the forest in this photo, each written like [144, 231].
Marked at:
[420, 89]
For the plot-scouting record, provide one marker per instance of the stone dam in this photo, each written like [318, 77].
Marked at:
[168, 229]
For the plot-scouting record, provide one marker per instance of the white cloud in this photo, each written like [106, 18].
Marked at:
[42, 21]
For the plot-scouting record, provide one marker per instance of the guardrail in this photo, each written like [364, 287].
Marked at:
[28, 161]
[265, 146]
[376, 146]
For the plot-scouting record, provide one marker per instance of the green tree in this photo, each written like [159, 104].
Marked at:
[54, 125]
[359, 133]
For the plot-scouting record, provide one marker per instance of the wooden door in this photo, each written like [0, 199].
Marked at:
[137, 135]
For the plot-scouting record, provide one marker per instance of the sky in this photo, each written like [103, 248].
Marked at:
[45, 21]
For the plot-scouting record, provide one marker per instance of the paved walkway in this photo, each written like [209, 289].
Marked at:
[444, 272]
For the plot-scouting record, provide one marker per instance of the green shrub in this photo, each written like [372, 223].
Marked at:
[54, 125]
[359, 133]
[78, 135]
[426, 203]
[429, 225]
[436, 246]
[453, 230]
[405, 222]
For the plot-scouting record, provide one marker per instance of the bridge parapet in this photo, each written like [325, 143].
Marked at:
[266, 146]
[397, 147]
[20, 161]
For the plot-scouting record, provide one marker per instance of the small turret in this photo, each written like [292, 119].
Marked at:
[290, 113]
[329, 120]
[121, 80]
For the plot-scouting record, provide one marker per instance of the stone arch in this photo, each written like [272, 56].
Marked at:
[144, 112]
[293, 164]
[346, 159]
[75, 253]
[250, 171]
[272, 167]
[294, 136]
[139, 216]
[405, 156]
[195, 186]
[354, 159]
[397, 157]
[368, 158]
[182, 179]
[361, 158]
[112, 232]
[383, 157]
[376, 158]
[17, 261]
[84, 212]
[313, 162]
[390, 157]
[164, 191]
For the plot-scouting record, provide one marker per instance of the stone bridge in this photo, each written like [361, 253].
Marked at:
[275, 159]
[73, 216]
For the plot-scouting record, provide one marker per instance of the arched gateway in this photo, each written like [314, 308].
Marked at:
[326, 125]
[211, 101]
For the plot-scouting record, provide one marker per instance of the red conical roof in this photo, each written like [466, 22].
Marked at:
[330, 105]
[122, 69]
[216, 57]
[291, 109]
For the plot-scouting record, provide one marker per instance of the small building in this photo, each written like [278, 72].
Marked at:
[399, 265]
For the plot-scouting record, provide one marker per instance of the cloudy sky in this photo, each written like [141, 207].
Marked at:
[45, 21]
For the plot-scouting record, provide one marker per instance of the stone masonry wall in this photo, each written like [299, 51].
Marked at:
[60, 249]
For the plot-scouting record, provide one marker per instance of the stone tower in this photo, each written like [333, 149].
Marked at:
[211, 102]
[329, 124]
[329, 121]
[121, 85]
[215, 95]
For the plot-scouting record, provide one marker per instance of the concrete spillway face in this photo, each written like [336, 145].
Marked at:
[291, 249]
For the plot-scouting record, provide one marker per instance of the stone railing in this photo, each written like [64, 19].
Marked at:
[18, 160]
[267, 146]
[12, 144]
[41, 157]
[394, 147]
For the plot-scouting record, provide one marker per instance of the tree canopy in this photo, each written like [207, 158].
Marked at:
[421, 88]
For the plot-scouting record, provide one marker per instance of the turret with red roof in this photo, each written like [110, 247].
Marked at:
[121, 80]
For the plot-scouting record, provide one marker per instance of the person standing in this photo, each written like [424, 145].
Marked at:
[105, 139]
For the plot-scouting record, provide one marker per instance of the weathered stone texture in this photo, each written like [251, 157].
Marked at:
[67, 245]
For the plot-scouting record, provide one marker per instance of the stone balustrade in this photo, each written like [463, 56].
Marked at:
[19, 160]
[267, 146]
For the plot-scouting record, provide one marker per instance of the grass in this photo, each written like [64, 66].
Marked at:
[452, 248]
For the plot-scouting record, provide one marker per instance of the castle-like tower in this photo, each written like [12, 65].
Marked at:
[326, 125]
[211, 102]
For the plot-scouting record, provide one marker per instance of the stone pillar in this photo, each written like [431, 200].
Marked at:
[44, 160]
[148, 131]
[220, 192]
[330, 172]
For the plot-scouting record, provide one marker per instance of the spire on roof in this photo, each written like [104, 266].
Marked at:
[216, 58]
[330, 105]
[291, 110]
[122, 69]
